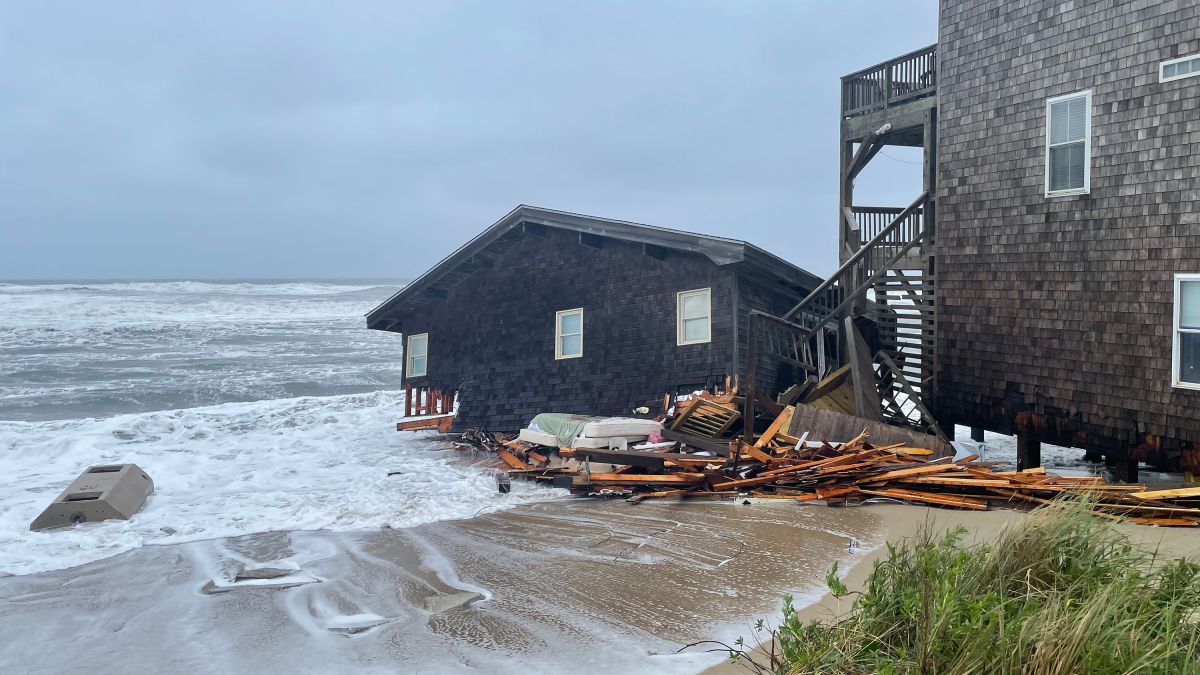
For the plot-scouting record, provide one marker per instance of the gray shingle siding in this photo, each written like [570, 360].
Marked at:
[1055, 314]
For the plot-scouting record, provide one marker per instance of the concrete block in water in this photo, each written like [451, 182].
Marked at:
[103, 492]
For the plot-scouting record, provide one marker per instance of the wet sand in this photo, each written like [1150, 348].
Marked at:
[554, 587]
[562, 586]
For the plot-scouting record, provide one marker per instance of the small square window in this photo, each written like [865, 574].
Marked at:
[418, 355]
[568, 334]
[694, 312]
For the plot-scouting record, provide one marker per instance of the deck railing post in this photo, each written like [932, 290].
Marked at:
[751, 382]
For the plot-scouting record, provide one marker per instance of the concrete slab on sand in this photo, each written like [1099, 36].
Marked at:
[102, 492]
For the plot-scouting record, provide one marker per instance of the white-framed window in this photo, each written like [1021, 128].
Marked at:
[1069, 144]
[417, 355]
[568, 334]
[1185, 361]
[1177, 69]
[693, 310]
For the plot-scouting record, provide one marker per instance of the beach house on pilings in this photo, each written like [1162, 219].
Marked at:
[547, 311]
[1046, 283]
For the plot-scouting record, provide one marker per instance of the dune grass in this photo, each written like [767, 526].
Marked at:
[1058, 592]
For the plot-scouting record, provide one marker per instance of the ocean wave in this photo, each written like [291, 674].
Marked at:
[65, 312]
[298, 288]
[308, 463]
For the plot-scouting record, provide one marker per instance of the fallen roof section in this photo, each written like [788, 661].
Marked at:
[435, 283]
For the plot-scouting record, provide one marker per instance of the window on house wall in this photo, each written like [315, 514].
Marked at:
[418, 355]
[568, 334]
[1186, 370]
[1175, 69]
[1069, 144]
[694, 312]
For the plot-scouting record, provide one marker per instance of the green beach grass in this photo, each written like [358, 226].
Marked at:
[1059, 592]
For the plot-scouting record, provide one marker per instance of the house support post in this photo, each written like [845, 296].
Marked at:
[751, 391]
[977, 434]
[1029, 452]
[1122, 465]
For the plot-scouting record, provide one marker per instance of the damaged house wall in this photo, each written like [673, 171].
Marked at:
[1055, 314]
[490, 314]
[493, 337]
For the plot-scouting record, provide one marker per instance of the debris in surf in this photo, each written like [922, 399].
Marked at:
[705, 462]
[101, 492]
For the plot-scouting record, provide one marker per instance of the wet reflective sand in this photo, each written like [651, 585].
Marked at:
[555, 587]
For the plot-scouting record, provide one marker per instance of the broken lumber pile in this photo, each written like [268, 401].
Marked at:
[778, 466]
[700, 460]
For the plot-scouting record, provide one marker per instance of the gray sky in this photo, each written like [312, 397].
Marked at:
[370, 139]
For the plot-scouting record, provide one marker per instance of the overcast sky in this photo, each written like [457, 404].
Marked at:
[370, 139]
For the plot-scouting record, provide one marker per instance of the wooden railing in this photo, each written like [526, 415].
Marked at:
[901, 79]
[855, 277]
[798, 338]
[872, 220]
[425, 400]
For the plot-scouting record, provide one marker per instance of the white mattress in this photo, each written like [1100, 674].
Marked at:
[626, 427]
[550, 440]
[538, 437]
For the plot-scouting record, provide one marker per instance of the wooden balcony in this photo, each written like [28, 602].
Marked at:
[891, 83]
[872, 220]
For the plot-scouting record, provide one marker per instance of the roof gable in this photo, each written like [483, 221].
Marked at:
[435, 283]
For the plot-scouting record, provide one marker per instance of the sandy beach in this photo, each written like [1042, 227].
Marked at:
[565, 585]
[558, 586]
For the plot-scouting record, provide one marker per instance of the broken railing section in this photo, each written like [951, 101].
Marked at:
[427, 408]
[427, 401]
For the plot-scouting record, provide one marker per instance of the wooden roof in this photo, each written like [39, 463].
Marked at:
[434, 284]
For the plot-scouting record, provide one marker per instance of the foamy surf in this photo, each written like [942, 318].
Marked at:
[309, 463]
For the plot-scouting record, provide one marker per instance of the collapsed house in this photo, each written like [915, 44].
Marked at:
[553, 311]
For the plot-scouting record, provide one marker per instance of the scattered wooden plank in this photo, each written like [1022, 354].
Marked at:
[754, 453]
[424, 423]
[512, 460]
[831, 493]
[960, 482]
[903, 473]
[640, 478]
[780, 423]
[930, 498]
[1180, 493]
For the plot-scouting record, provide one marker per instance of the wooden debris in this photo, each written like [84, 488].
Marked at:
[440, 422]
[705, 418]
[512, 460]
[775, 465]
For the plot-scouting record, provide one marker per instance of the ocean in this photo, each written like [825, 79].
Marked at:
[82, 349]
[254, 405]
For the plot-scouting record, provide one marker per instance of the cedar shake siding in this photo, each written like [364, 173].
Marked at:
[492, 331]
[1055, 313]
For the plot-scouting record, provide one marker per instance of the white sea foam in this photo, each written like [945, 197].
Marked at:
[189, 287]
[79, 350]
[295, 464]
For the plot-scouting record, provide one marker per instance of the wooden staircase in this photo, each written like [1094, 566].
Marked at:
[877, 312]
[878, 283]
